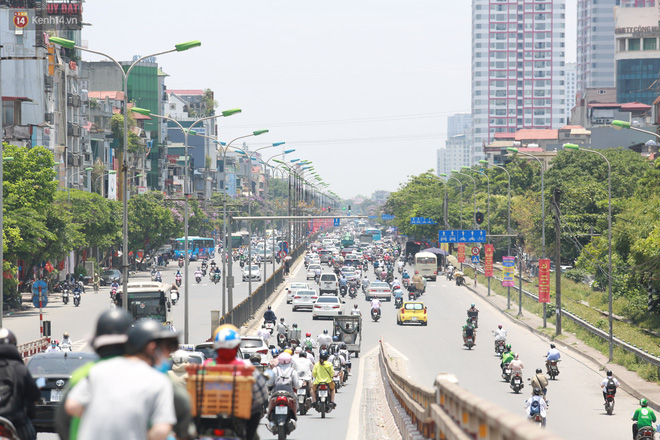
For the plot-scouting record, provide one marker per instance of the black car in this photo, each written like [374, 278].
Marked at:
[108, 276]
[52, 371]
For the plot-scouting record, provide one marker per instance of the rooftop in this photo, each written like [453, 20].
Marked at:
[113, 94]
[534, 134]
[186, 92]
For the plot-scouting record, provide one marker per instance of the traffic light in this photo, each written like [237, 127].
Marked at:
[349, 208]
[329, 208]
[479, 217]
[343, 208]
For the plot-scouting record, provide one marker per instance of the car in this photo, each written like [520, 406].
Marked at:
[412, 312]
[206, 348]
[54, 370]
[380, 290]
[108, 276]
[256, 273]
[311, 270]
[304, 299]
[251, 345]
[350, 273]
[325, 255]
[328, 306]
[293, 288]
[328, 283]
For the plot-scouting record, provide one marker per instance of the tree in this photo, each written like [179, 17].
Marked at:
[98, 218]
[151, 224]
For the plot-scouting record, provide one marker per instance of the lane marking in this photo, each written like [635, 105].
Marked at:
[354, 419]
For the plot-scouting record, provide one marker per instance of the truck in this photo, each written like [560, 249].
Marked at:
[347, 241]
[348, 328]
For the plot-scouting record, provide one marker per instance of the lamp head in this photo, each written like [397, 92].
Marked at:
[289, 151]
[571, 147]
[465, 168]
[190, 132]
[454, 171]
[259, 132]
[443, 175]
[618, 125]
[187, 45]
[294, 160]
[277, 144]
[67, 44]
[484, 162]
[277, 161]
[230, 112]
[141, 111]
[512, 149]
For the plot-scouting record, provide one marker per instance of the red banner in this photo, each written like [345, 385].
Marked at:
[544, 280]
[488, 260]
[461, 252]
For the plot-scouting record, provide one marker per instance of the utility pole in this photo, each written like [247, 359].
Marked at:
[555, 204]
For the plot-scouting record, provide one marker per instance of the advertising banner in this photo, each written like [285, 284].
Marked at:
[461, 252]
[112, 187]
[507, 276]
[544, 280]
[488, 260]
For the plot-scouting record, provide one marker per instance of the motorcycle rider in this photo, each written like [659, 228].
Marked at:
[284, 378]
[507, 356]
[536, 405]
[643, 417]
[323, 372]
[516, 366]
[375, 305]
[342, 282]
[324, 339]
[609, 385]
[53, 347]
[269, 315]
[317, 274]
[396, 284]
[21, 399]
[473, 309]
[418, 282]
[499, 334]
[263, 333]
[198, 273]
[66, 342]
[365, 283]
[343, 351]
[309, 342]
[356, 310]
[540, 381]
[553, 355]
[406, 275]
[304, 367]
[469, 330]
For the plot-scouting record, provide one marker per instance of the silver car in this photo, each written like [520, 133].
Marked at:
[379, 290]
[255, 273]
[304, 299]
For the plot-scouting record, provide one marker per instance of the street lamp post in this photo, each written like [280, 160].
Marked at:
[508, 227]
[474, 196]
[618, 125]
[186, 194]
[483, 172]
[444, 205]
[68, 183]
[461, 187]
[515, 150]
[609, 240]
[69, 44]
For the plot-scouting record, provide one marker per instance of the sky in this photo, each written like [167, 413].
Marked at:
[362, 88]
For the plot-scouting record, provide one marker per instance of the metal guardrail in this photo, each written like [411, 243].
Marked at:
[31, 348]
[449, 412]
[641, 354]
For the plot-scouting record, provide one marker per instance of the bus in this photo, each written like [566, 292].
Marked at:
[426, 265]
[375, 233]
[198, 247]
[240, 238]
[361, 225]
[150, 299]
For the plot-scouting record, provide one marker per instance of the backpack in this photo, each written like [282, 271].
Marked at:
[10, 401]
[611, 386]
[535, 407]
[469, 330]
[284, 381]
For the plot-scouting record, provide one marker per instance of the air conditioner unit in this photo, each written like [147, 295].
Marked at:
[73, 101]
[49, 118]
[48, 83]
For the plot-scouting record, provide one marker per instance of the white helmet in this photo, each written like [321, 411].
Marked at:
[180, 357]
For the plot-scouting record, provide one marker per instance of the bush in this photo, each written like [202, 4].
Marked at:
[577, 275]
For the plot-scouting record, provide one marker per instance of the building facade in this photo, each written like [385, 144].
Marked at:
[459, 123]
[637, 54]
[595, 44]
[571, 88]
[518, 72]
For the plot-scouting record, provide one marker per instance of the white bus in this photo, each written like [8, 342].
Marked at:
[426, 265]
[150, 299]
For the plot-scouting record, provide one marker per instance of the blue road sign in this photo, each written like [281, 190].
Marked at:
[373, 216]
[462, 236]
[337, 222]
[475, 259]
[44, 293]
[422, 221]
[387, 217]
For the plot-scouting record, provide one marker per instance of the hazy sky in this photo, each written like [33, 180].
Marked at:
[362, 88]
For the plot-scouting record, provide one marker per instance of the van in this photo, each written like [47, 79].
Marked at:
[328, 284]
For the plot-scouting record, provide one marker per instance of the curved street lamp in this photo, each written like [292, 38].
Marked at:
[460, 183]
[474, 196]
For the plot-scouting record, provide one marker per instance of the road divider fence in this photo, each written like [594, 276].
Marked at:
[33, 347]
[449, 412]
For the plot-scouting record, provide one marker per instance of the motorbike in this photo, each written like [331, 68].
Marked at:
[553, 369]
[65, 296]
[174, 296]
[365, 266]
[342, 290]
[178, 281]
[317, 278]
[398, 302]
[375, 314]
[469, 342]
[203, 271]
[506, 372]
[282, 414]
[645, 433]
[406, 282]
[242, 264]
[337, 378]
[352, 292]
[609, 403]
[412, 293]
[499, 346]
[198, 278]
[153, 274]
[474, 317]
[537, 419]
[304, 398]
[270, 326]
[216, 278]
[282, 340]
[460, 280]
[516, 383]
[7, 430]
[76, 298]
[181, 262]
[322, 399]
[65, 346]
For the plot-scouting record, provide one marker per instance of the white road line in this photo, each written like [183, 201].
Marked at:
[353, 431]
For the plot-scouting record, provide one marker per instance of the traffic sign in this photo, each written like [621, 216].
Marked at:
[462, 236]
[337, 222]
[282, 254]
[40, 284]
[475, 259]
[284, 246]
[422, 221]
[387, 217]
[475, 250]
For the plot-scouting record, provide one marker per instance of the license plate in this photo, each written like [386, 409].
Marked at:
[55, 395]
[302, 392]
[326, 308]
[281, 410]
[414, 318]
[323, 393]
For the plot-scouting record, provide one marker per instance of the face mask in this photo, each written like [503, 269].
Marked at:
[161, 363]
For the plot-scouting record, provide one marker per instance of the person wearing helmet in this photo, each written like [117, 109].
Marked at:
[553, 355]
[609, 385]
[66, 342]
[304, 364]
[396, 284]
[516, 365]
[324, 339]
[323, 373]
[178, 373]
[20, 404]
[142, 402]
[356, 310]
[507, 356]
[536, 405]
[284, 378]
[643, 417]
[540, 381]
[226, 341]
[469, 331]
[309, 342]
[269, 316]
[53, 346]
[264, 333]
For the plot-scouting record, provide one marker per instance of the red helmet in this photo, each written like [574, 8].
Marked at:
[308, 334]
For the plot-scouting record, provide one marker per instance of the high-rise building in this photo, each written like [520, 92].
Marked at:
[571, 88]
[458, 151]
[459, 123]
[595, 45]
[635, 3]
[637, 54]
[517, 67]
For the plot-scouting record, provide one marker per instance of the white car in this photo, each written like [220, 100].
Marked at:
[304, 299]
[293, 288]
[380, 290]
[328, 306]
[311, 270]
[256, 273]
[251, 345]
[329, 283]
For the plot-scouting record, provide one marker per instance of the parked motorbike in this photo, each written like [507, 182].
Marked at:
[323, 399]
[304, 398]
[398, 302]
[553, 369]
[375, 314]
[516, 383]
[499, 346]
[506, 372]
[65, 296]
[281, 414]
[76, 297]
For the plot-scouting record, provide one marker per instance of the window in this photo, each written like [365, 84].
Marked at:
[650, 44]
[633, 44]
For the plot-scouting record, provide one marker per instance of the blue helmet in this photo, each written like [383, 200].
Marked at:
[226, 337]
[275, 352]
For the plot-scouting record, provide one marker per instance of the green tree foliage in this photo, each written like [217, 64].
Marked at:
[151, 224]
[98, 218]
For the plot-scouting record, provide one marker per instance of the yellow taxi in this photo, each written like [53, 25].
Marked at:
[412, 312]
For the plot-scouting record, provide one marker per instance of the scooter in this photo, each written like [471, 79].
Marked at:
[342, 290]
[352, 292]
[65, 296]
[180, 261]
[499, 346]
[76, 297]
[516, 383]
[506, 372]
[7, 430]
[282, 340]
[178, 281]
[198, 278]
[469, 342]
[270, 326]
[460, 280]
[375, 314]
[553, 369]
[281, 414]
[609, 403]
[645, 433]
[398, 302]
[304, 398]
[323, 404]
[216, 278]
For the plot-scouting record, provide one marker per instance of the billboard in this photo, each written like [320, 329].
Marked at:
[507, 269]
